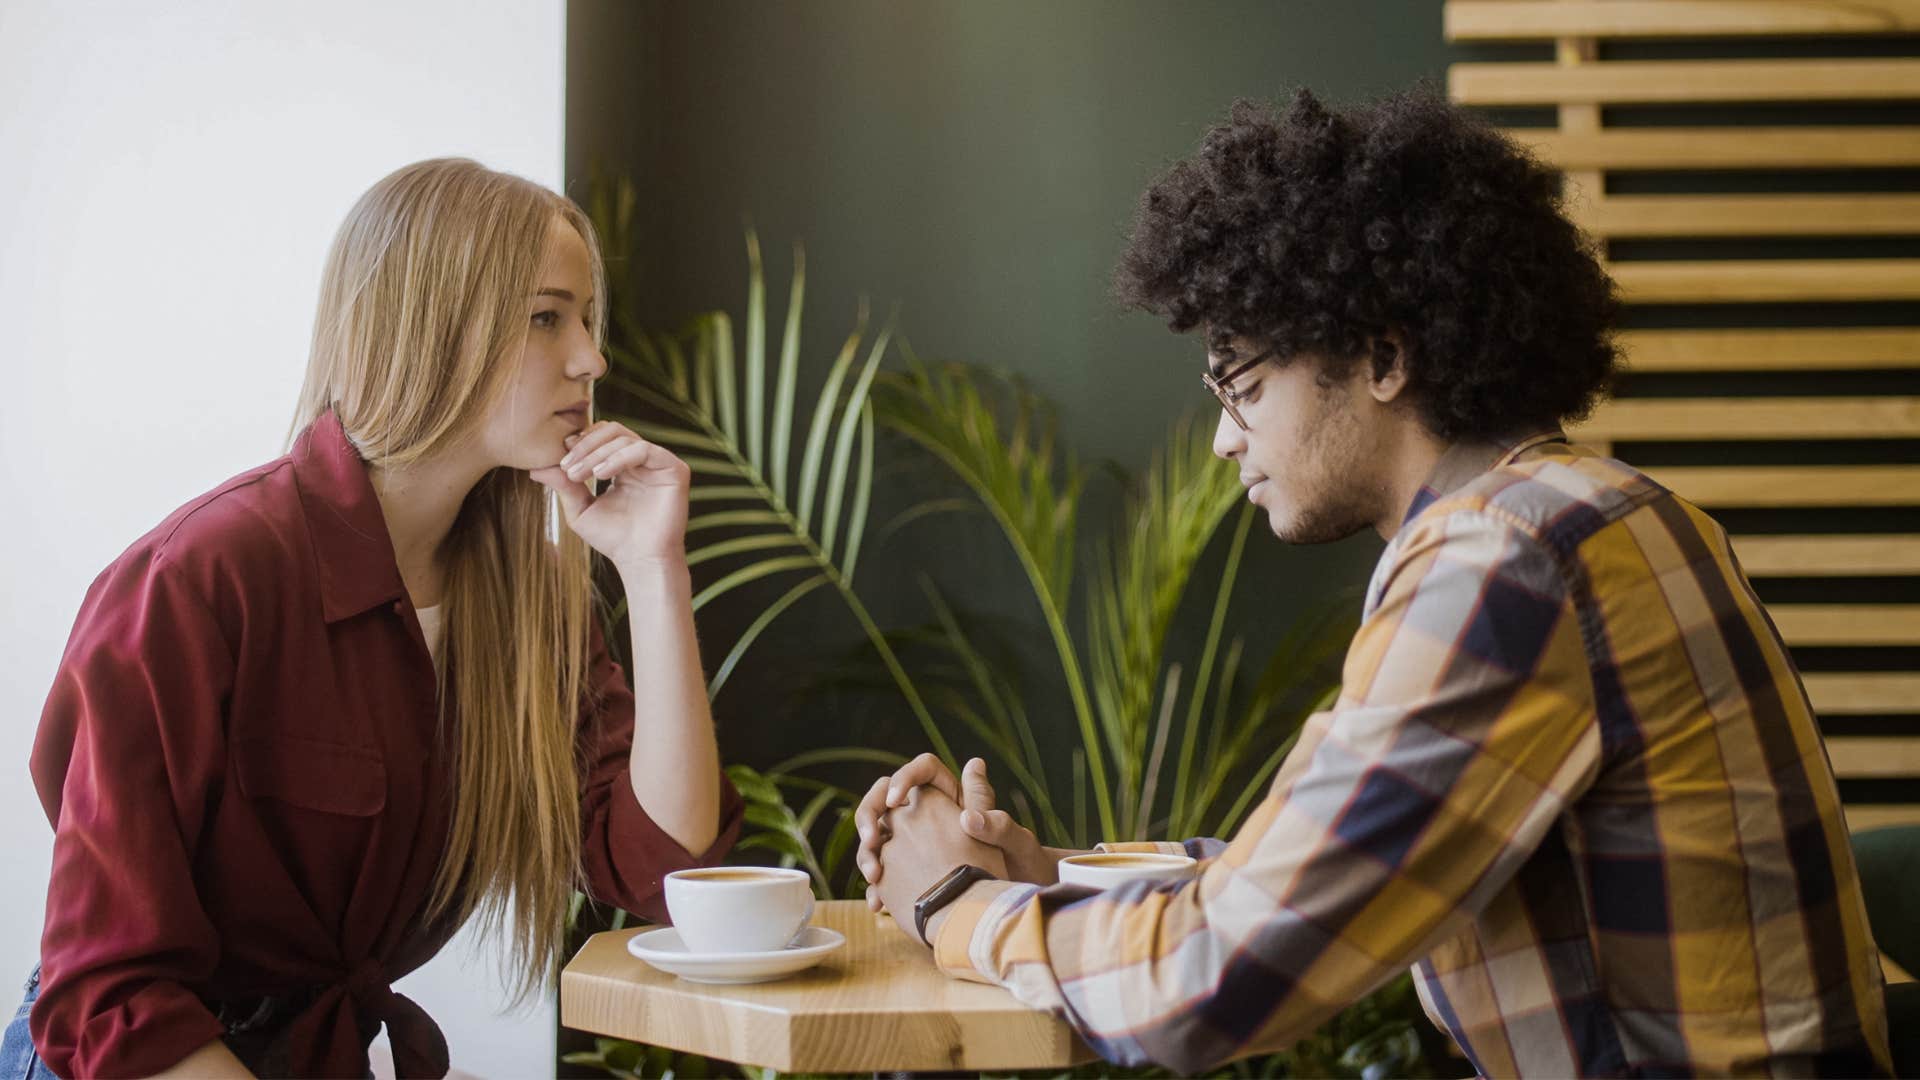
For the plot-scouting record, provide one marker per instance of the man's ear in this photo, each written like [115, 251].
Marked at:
[1388, 387]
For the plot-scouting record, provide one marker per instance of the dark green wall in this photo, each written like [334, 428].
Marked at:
[976, 162]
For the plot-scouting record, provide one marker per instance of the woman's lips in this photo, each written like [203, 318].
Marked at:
[577, 416]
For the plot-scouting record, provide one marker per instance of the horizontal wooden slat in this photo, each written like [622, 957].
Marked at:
[1794, 485]
[1874, 756]
[1828, 556]
[1848, 624]
[1751, 215]
[1726, 148]
[1504, 20]
[1674, 81]
[1850, 693]
[1836, 349]
[1709, 419]
[1768, 280]
[1864, 816]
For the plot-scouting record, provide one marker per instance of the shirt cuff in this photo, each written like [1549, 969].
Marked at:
[642, 854]
[964, 946]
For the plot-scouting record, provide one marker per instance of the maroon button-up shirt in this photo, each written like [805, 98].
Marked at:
[249, 794]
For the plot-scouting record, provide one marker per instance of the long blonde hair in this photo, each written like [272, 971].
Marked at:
[424, 309]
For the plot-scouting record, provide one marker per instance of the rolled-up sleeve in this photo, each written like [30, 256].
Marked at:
[1464, 729]
[624, 853]
[128, 763]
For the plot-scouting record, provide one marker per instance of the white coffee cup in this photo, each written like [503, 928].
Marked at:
[739, 909]
[1105, 869]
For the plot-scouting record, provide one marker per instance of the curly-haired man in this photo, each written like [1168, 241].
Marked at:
[1572, 776]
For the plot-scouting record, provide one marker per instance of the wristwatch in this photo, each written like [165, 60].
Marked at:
[944, 892]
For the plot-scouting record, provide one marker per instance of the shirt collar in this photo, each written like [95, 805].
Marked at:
[350, 540]
[1465, 460]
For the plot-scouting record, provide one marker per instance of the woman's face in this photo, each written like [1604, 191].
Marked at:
[550, 397]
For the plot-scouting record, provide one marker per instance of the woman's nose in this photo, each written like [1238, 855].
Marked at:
[587, 363]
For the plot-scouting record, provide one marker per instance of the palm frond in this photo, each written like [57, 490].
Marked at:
[688, 378]
[1033, 497]
[1138, 584]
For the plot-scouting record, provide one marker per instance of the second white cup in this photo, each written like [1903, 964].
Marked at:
[1103, 870]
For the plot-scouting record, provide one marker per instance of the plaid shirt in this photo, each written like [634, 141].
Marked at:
[1572, 777]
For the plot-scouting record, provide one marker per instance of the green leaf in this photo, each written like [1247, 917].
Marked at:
[756, 628]
[712, 466]
[840, 754]
[722, 518]
[753, 786]
[751, 573]
[789, 370]
[722, 548]
[718, 332]
[823, 411]
[756, 374]
[843, 446]
[1190, 735]
[862, 492]
[722, 492]
[667, 435]
[812, 811]
[839, 843]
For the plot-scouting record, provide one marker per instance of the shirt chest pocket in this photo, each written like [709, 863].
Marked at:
[328, 777]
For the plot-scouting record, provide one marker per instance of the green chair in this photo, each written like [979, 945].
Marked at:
[1889, 861]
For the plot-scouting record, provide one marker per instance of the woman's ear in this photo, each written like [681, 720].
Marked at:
[1388, 377]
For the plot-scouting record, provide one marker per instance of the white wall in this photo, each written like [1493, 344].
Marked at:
[170, 175]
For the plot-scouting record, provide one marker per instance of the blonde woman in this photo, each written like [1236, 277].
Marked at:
[325, 713]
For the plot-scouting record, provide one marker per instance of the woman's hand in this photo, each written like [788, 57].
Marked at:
[640, 515]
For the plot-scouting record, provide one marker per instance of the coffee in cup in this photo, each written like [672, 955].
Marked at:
[1105, 869]
[739, 909]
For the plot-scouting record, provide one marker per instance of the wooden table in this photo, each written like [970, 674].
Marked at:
[876, 1005]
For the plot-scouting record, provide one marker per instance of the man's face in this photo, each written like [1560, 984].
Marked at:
[1306, 454]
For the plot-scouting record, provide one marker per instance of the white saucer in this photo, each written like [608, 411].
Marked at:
[663, 949]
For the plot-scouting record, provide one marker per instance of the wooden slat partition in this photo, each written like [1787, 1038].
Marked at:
[1720, 148]
[1877, 413]
[1755, 281]
[1755, 215]
[1829, 556]
[1659, 82]
[1788, 486]
[1504, 20]
[1840, 349]
[1755, 418]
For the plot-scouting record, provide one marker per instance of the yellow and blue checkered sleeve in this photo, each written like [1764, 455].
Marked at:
[1464, 727]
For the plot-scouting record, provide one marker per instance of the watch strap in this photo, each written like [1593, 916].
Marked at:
[944, 892]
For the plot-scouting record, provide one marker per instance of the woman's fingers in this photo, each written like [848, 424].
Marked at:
[574, 496]
[618, 457]
[591, 440]
[584, 463]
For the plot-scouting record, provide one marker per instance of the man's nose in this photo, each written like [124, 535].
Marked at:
[1229, 441]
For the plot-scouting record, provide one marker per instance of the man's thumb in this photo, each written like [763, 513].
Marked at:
[992, 827]
[976, 794]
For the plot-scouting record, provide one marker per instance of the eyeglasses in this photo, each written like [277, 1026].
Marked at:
[1228, 396]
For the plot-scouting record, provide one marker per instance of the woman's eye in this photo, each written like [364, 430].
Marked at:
[546, 320]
